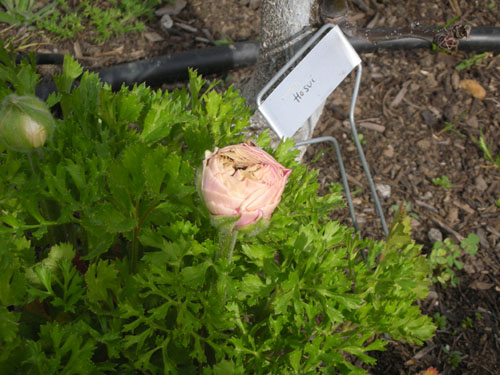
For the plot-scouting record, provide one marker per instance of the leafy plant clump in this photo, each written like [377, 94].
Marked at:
[443, 181]
[108, 260]
[444, 258]
[60, 17]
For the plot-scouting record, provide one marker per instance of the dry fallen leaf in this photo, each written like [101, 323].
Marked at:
[430, 371]
[153, 37]
[474, 88]
[78, 50]
[479, 285]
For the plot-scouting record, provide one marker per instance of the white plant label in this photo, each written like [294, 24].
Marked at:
[308, 85]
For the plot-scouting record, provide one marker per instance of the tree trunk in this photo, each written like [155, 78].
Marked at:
[285, 26]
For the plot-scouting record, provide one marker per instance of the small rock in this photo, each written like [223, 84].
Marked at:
[430, 81]
[414, 222]
[357, 201]
[172, 9]
[187, 27]
[481, 233]
[389, 151]
[153, 37]
[243, 33]
[384, 190]
[207, 34]
[429, 118]
[202, 40]
[453, 215]
[469, 268]
[481, 184]
[455, 80]
[428, 195]
[428, 60]
[432, 295]
[166, 21]
[414, 87]
[472, 121]
[435, 235]
[424, 144]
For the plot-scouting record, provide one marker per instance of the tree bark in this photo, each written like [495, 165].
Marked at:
[285, 26]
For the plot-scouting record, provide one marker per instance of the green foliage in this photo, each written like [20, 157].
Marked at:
[440, 320]
[487, 151]
[467, 63]
[106, 19]
[443, 181]
[444, 258]
[23, 11]
[108, 260]
[453, 357]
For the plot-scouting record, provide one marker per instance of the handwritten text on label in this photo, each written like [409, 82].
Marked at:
[297, 96]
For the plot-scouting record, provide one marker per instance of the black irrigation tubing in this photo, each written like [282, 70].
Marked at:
[482, 39]
[168, 68]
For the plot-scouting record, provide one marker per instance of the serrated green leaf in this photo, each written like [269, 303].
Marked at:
[71, 282]
[110, 219]
[295, 358]
[71, 71]
[252, 283]
[129, 108]
[77, 173]
[470, 244]
[194, 276]
[85, 98]
[258, 253]
[131, 158]
[195, 85]
[64, 349]
[26, 81]
[347, 301]
[53, 99]
[213, 102]
[9, 325]
[224, 368]
[400, 232]
[161, 119]
[13, 284]
[102, 282]
[181, 176]
[154, 169]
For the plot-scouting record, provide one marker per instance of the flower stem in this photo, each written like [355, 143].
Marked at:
[227, 240]
[44, 208]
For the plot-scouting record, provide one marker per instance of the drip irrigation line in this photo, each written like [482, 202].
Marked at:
[482, 39]
[170, 68]
[44, 58]
[167, 68]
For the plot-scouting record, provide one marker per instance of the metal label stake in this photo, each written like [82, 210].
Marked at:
[326, 60]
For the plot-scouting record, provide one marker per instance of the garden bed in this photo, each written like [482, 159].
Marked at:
[419, 126]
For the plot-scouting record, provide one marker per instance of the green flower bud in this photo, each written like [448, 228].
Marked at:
[25, 122]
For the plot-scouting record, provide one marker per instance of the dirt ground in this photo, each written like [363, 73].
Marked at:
[418, 124]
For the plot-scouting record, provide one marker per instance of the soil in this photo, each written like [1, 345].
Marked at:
[418, 124]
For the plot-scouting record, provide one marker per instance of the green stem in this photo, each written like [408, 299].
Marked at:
[134, 251]
[44, 208]
[227, 240]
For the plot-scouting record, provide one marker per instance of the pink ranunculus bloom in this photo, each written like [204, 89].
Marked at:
[242, 180]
